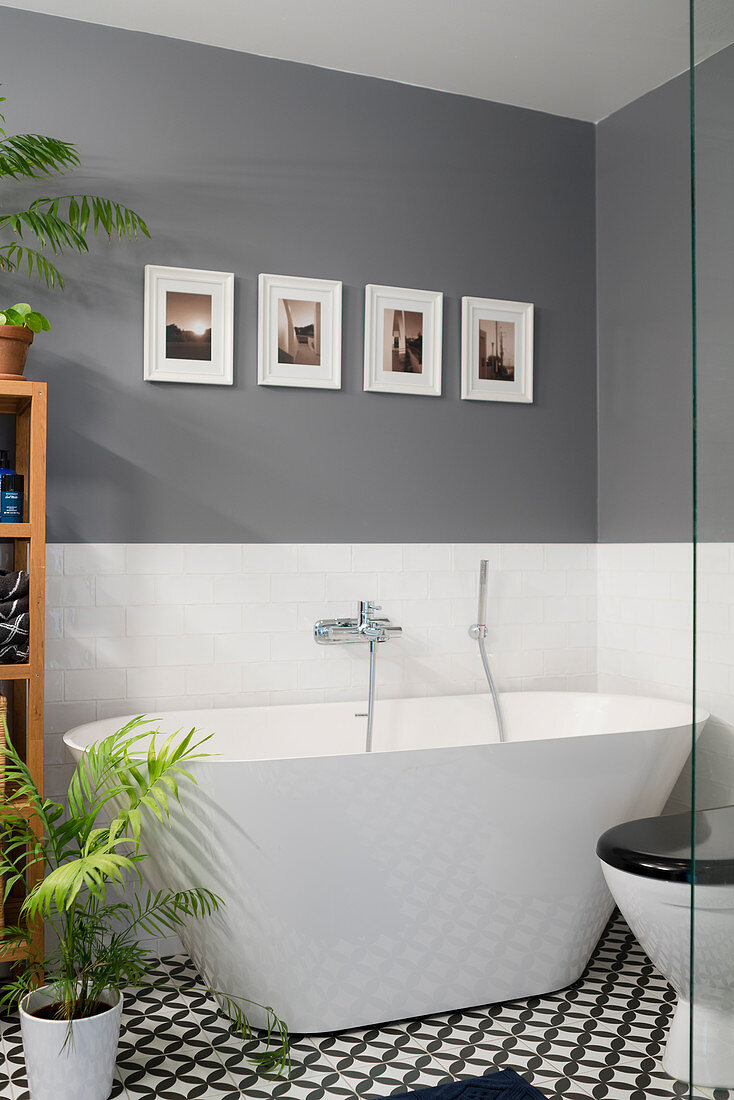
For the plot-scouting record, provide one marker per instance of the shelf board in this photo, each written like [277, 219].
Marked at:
[15, 530]
[13, 404]
[16, 394]
[16, 672]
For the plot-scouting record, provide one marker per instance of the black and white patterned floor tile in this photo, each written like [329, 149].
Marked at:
[602, 1038]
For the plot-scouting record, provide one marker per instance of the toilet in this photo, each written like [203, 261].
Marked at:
[647, 866]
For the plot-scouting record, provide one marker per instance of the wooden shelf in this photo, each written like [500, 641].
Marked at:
[26, 401]
[17, 672]
[15, 530]
[16, 395]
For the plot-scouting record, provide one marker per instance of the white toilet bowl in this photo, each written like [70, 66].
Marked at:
[647, 865]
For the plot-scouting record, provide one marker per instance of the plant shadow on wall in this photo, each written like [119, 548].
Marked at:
[97, 453]
[54, 225]
[121, 788]
[101, 424]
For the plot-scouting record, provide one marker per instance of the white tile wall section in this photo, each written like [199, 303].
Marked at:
[645, 644]
[644, 618]
[152, 627]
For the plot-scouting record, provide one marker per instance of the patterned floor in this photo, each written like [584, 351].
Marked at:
[601, 1038]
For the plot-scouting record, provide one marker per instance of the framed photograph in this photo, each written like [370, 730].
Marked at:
[402, 340]
[189, 326]
[496, 350]
[299, 340]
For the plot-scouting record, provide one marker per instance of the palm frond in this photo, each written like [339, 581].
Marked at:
[18, 777]
[13, 256]
[276, 1057]
[47, 227]
[85, 212]
[19, 849]
[131, 770]
[167, 910]
[19, 780]
[12, 935]
[63, 224]
[61, 886]
[34, 156]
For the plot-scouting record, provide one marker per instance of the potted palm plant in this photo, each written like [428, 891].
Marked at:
[70, 1025]
[53, 224]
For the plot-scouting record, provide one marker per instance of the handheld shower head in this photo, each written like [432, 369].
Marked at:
[482, 604]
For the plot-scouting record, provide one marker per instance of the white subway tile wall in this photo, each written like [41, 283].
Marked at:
[152, 627]
[645, 645]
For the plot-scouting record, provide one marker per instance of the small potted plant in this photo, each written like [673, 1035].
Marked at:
[58, 224]
[70, 1024]
[18, 326]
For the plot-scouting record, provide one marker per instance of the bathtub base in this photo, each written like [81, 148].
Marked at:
[358, 985]
[441, 871]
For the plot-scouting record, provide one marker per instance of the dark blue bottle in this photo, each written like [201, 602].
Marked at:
[5, 467]
[11, 498]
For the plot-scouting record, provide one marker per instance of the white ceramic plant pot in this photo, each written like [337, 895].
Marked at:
[83, 1068]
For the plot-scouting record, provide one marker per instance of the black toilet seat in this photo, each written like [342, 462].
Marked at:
[660, 847]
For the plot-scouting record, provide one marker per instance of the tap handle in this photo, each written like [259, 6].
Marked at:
[366, 610]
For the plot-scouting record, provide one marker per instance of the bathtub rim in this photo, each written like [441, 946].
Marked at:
[701, 718]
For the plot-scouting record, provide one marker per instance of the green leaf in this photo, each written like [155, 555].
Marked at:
[22, 308]
[37, 322]
[12, 256]
[12, 317]
[35, 156]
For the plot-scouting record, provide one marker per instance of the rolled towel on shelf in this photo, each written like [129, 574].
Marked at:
[14, 617]
[14, 636]
[13, 585]
[10, 608]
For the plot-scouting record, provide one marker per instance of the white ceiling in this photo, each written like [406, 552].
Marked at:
[579, 58]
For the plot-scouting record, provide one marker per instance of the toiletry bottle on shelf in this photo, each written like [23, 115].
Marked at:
[5, 467]
[11, 498]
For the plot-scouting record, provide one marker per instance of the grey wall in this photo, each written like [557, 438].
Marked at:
[644, 310]
[644, 288]
[246, 164]
[714, 134]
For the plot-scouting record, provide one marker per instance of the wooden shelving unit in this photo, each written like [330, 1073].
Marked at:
[26, 401]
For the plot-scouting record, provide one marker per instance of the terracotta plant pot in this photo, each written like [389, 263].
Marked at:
[14, 344]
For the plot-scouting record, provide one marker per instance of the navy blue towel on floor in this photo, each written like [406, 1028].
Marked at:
[506, 1085]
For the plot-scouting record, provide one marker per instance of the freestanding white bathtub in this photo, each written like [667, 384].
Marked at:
[442, 870]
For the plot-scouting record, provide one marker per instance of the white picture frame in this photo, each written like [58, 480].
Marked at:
[189, 326]
[299, 338]
[403, 334]
[496, 350]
